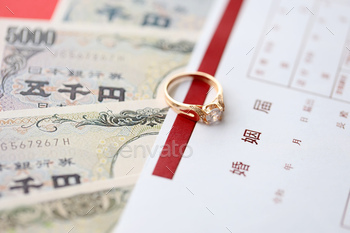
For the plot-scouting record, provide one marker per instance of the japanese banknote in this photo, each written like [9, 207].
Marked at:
[163, 14]
[90, 207]
[47, 149]
[75, 166]
[45, 67]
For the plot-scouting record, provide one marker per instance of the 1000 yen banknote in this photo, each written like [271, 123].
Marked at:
[94, 207]
[47, 149]
[164, 14]
[47, 67]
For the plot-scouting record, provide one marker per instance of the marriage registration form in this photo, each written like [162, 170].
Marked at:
[280, 159]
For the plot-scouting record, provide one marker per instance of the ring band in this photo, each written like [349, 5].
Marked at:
[209, 113]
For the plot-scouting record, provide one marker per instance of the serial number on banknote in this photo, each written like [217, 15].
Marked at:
[13, 145]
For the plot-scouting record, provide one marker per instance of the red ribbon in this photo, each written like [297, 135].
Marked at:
[182, 129]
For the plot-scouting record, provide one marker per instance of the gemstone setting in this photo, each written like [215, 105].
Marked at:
[213, 114]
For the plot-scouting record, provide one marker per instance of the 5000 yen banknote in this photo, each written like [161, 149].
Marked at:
[164, 14]
[93, 207]
[47, 67]
[47, 149]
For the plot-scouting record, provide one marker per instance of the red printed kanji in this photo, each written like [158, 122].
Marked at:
[263, 106]
[288, 166]
[296, 141]
[263, 61]
[278, 196]
[304, 119]
[285, 65]
[325, 75]
[341, 125]
[251, 136]
[344, 114]
[239, 168]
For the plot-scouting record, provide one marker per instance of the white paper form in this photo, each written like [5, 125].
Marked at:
[280, 159]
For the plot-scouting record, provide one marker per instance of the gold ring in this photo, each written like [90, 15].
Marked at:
[209, 113]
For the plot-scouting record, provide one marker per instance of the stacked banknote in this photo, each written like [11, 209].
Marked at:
[80, 110]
